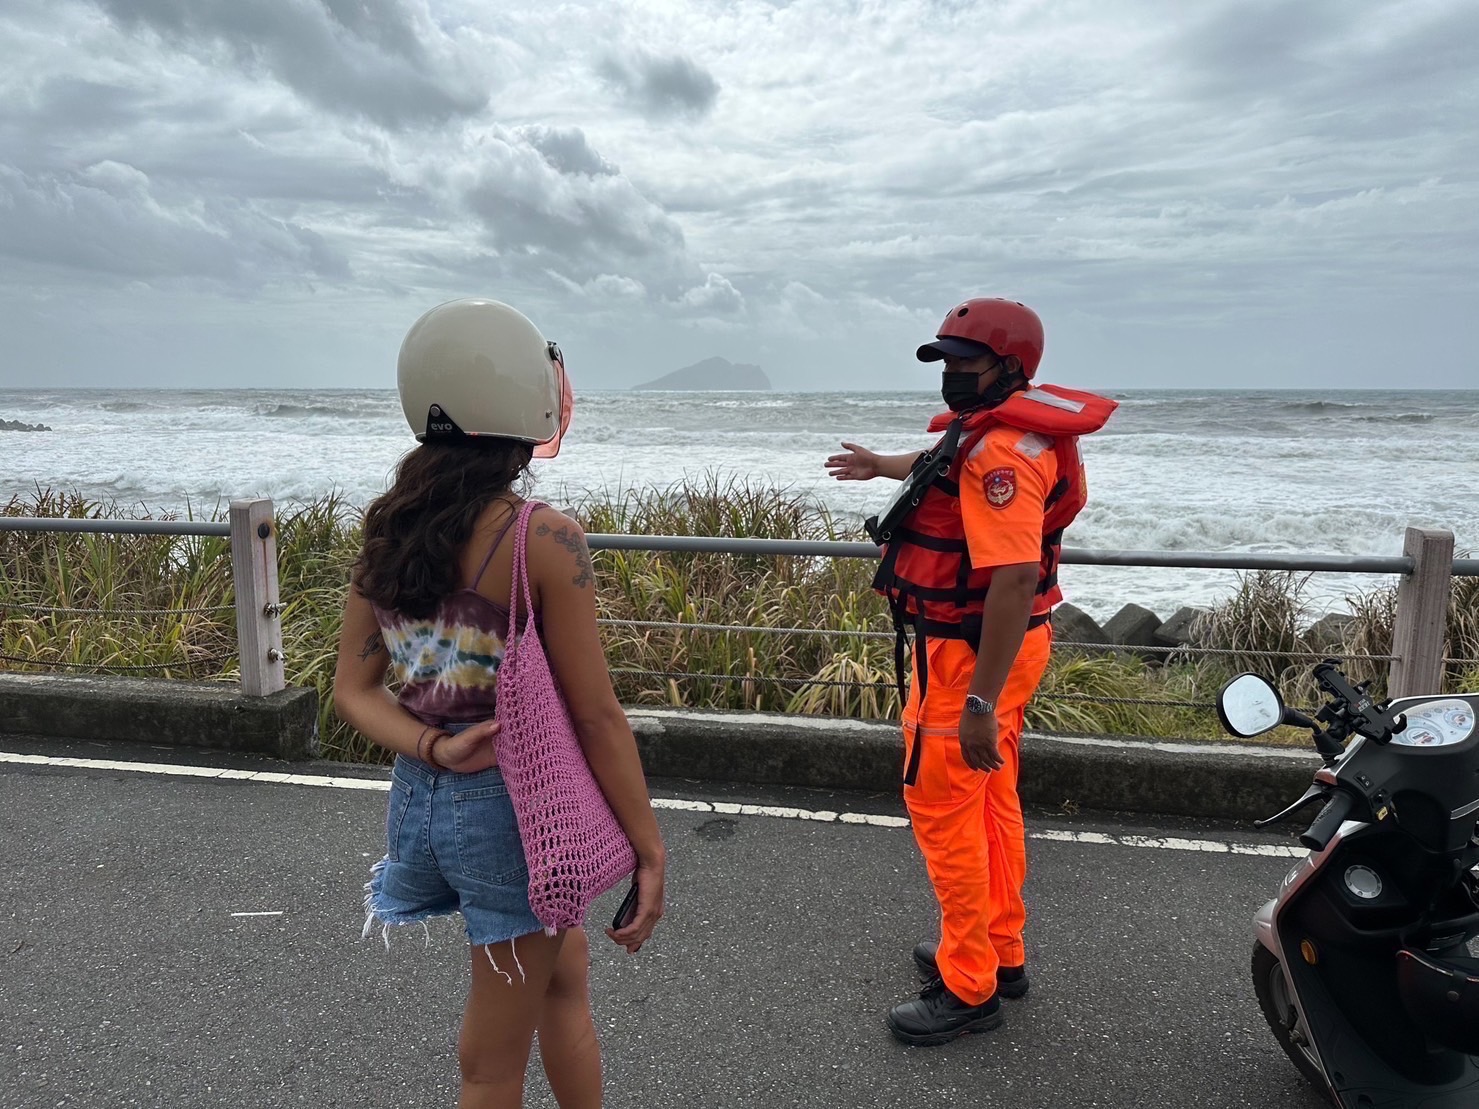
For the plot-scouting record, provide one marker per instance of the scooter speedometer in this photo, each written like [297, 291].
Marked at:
[1437, 724]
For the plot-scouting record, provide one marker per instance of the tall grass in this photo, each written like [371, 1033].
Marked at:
[775, 655]
[780, 670]
[1376, 613]
[146, 605]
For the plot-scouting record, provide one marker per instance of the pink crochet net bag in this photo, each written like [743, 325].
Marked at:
[574, 846]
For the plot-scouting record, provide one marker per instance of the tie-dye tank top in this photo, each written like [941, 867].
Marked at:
[447, 663]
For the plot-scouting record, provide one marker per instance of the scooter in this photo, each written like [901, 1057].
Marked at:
[1361, 963]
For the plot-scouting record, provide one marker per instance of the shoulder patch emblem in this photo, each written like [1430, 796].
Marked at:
[1001, 487]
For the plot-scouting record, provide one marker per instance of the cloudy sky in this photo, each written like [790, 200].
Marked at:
[1202, 193]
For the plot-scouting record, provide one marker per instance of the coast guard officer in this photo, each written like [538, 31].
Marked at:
[970, 564]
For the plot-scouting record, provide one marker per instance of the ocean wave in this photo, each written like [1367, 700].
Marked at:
[1397, 418]
[296, 411]
[1187, 471]
[1321, 406]
[1347, 529]
[891, 402]
[748, 403]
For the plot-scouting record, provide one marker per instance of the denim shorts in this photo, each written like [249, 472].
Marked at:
[452, 845]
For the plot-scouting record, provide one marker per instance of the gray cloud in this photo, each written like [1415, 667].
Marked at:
[145, 171]
[584, 221]
[110, 219]
[1160, 182]
[1259, 47]
[1327, 67]
[567, 151]
[716, 296]
[67, 105]
[659, 86]
[367, 57]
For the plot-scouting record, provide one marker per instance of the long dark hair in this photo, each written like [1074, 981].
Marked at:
[416, 529]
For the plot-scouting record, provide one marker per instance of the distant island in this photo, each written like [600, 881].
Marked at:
[712, 373]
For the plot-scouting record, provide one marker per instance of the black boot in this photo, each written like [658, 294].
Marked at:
[1011, 982]
[939, 1017]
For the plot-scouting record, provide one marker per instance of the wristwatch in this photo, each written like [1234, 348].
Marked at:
[979, 706]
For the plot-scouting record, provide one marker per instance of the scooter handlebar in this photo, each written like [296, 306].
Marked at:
[1328, 822]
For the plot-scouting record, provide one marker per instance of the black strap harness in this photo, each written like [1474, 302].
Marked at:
[931, 471]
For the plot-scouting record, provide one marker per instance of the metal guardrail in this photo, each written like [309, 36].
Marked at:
[1426, 568]
[115, 527]
[1082, 556]
[827, 548]
[252, 530]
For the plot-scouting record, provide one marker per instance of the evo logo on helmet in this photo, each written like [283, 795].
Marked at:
[439, 423]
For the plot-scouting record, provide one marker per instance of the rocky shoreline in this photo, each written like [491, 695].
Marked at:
[16, 425]
[1135, 626]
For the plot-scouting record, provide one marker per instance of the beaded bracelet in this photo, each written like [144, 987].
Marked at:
[426, 749]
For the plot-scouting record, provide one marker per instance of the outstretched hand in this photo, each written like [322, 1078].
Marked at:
[858, 464]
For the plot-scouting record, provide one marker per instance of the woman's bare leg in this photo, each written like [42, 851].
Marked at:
[568, 1046]
[504, 1006]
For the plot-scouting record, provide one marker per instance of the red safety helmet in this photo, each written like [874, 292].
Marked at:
[1008, 327]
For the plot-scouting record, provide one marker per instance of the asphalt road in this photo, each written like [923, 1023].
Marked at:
[126, 980]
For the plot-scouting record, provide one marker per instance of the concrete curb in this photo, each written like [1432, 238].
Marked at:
[161, 712]
[1229, 782]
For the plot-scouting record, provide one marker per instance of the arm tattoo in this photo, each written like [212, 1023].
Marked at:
[574, 542]
[373, 646]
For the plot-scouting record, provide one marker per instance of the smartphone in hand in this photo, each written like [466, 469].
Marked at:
[627, 911]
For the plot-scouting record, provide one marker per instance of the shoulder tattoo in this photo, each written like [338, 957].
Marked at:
[574, 542]
[374, 645]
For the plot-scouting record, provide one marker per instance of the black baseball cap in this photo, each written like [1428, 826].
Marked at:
[951, 348]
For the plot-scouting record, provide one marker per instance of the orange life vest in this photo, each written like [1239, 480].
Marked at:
[926, 570]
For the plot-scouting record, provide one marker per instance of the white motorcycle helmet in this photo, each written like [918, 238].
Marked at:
[477, 368]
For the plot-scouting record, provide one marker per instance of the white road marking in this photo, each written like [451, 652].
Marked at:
[822, 816]
[176, 771]
[728, 808]
[278, 913]
[1172, 843]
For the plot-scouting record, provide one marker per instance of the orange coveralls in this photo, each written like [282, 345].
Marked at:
[968, 824]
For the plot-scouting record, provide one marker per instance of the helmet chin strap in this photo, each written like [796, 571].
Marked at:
[1003, 387]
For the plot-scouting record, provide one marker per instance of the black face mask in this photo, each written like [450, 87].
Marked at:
[958, 390]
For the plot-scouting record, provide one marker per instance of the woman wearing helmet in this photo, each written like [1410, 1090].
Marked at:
[429, 600]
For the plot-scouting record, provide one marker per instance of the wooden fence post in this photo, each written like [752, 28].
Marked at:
[1422, 614]
[258, 610]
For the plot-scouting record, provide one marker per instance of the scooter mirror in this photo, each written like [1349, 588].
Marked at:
[1249, 706]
